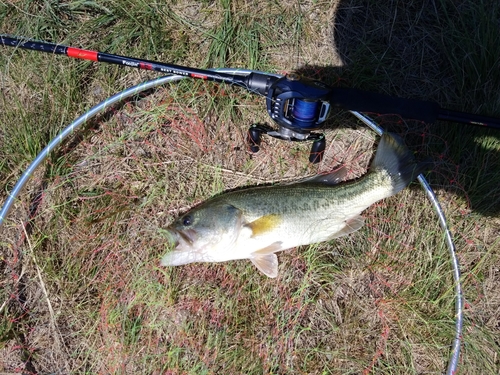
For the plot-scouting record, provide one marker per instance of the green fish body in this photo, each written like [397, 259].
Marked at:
[256, 223]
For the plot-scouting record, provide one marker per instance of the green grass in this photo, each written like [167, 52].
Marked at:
[84, 292]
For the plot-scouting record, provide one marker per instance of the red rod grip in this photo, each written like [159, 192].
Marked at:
[82, 54]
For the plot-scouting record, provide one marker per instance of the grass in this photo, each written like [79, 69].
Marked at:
[82, 290]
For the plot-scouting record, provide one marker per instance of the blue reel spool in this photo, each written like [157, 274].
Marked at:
[305, 110]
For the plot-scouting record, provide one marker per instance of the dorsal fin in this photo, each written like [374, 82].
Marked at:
[332, 178]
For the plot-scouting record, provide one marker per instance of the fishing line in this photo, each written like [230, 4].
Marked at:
[303, 109]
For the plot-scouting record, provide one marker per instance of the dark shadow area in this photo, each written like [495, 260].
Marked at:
[442, 51]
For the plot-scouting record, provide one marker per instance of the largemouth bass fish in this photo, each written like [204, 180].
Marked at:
[258, 222]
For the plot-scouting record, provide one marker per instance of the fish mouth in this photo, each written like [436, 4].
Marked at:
[182, 238]
[181, 247]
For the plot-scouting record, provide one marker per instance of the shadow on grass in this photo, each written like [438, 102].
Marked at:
[440, 51]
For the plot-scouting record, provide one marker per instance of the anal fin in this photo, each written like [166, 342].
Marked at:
[351, 226]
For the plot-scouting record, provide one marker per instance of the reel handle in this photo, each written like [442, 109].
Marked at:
[317, 149]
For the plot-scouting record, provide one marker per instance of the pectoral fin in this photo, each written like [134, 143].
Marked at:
[351, 226]
[266, 261]
[264, 224]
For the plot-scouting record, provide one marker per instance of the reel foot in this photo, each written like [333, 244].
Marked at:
[254, 138]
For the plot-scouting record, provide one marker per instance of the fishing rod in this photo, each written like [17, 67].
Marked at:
[296, 104]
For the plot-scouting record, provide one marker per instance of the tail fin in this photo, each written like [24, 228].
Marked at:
[397, 161]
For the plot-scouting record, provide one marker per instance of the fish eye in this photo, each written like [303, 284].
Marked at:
[187, 220]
